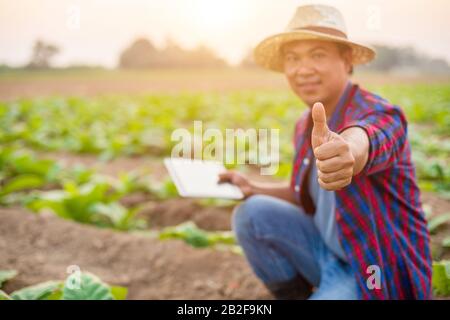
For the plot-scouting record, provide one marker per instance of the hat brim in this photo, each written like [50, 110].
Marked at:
[268, 54]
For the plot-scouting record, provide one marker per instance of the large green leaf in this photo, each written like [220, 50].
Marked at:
[119, 293]
[4, 296]
[437, 221]
[187, 231]
[441, 278]
[86, 286]
[446, 242]
[27, 164]
[41, 291]
[165, 190]
[118, 216]
[196, 237]
[22, 182]
[6, 275]
[223, 237]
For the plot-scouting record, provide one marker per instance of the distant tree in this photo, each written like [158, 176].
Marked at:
[5, 67]
[405, 59]
[141, 54]
[203, 56]
[42, 55]
[174, 55]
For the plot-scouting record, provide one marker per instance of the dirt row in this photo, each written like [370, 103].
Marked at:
[41, 247]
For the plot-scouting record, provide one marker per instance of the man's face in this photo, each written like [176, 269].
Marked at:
[316, 70]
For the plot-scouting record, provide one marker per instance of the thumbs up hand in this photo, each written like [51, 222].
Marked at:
[334, 159]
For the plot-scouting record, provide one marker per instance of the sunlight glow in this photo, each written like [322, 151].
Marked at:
[215, 17]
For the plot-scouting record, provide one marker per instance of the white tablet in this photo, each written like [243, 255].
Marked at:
[199, 179]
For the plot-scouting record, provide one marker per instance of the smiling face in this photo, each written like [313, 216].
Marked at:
[317, 70]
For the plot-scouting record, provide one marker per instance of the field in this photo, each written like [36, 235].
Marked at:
[82, 180]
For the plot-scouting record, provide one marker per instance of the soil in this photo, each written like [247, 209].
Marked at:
[175, 211]
[19, 84]
[41, 84]
[41, 247]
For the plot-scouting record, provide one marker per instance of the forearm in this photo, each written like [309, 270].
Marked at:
[359, 146]
[278, 190]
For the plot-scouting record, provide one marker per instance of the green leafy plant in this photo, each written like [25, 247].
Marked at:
[112, 126]
[94, 203]
[77, 286]
[164, 190]
[21, 171]
[441, 278]
[446, 242]
[191, 234]
[6, 275]
[90, 287]
[49, 290]
[435, 222]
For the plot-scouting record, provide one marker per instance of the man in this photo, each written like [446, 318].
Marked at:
[350, 224]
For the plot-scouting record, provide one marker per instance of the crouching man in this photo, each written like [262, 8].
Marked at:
[350, 225]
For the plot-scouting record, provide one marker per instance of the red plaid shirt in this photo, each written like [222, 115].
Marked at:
[379, 215]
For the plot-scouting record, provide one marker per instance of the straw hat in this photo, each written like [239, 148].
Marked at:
[310, 22]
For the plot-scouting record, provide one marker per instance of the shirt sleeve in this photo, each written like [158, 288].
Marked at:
[299, 127]
[299, 130]
[387, 132]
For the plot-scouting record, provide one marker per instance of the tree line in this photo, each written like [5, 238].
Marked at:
[143, 54]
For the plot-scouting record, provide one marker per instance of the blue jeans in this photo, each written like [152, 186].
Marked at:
[280, 241]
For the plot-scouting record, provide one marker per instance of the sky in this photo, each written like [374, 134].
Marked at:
[96, 31]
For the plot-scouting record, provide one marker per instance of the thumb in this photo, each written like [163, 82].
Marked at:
[320, 131]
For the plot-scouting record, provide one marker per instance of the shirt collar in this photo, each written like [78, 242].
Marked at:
[334, 119]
